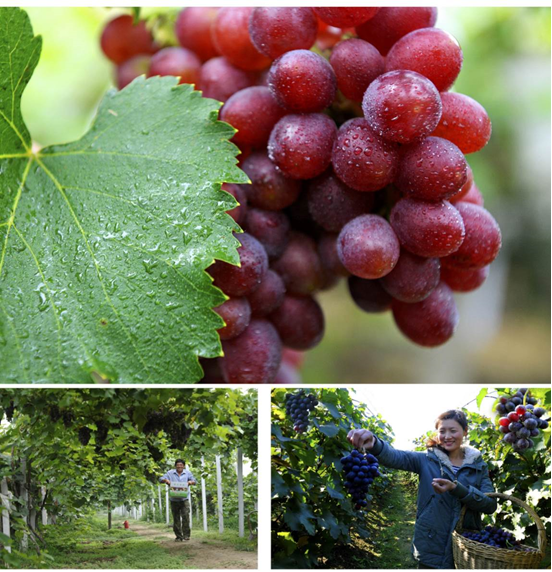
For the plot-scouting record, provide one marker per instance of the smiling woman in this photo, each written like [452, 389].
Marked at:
[451, 475]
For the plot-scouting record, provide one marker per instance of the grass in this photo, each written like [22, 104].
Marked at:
[229, 536]
[391, 525]
[87, 544]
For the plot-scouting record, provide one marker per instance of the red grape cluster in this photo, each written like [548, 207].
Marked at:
[355, 152]
[298, 407]
[521, 419]
[360, 471]
[494, 536]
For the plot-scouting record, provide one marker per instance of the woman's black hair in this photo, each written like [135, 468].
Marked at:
[456, 415]
[179, 461]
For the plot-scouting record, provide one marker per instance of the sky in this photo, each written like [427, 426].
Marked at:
[411, 410]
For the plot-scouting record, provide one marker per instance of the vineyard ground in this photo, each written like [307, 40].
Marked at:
[151, 546]
[391, 525]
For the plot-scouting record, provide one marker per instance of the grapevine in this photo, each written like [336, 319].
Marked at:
[365, 123]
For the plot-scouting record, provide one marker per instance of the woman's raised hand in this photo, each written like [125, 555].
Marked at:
[361, 438]
[441, 486]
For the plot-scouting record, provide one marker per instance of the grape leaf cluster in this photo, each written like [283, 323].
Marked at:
[356, 156]
[521, 420]
[298, 406]
[360, 470]
[494, 536]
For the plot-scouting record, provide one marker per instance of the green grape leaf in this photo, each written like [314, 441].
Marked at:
[104, 242]
[481, 396]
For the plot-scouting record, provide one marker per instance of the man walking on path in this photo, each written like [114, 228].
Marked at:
[179, 480]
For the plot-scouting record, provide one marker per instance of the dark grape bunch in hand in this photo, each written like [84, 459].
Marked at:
[493, 536]
[355, 150]
[521, 421]
[360, 471]
[298, 406]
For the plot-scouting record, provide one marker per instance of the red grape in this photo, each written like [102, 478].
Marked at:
[253, 112]
[356, 64]
[270, 228]
[237, 213]
[332, 203]
[254, 356]
[430, 322]
[483, 239]
[301, 145]
[431, 52]
[361, 159]
[302, 81]
[231, 38]
[429, 229]
[244, 279]
[122, 39]
[368, 247]
[464, 279]
[345, 17]
[268, 296]
[219, 79]
[402, 106]
[300, 266]
[275, 31]
[269, 188]
[391, 23]
[129, 70]
[193, 30]
[413, 278]
[178, 62]
[299, 321]
[431, 170]
[236, 314]
[464, 122]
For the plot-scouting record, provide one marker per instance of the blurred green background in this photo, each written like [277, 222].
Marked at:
[504, 332]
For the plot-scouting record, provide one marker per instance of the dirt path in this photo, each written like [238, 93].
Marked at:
[200, 553]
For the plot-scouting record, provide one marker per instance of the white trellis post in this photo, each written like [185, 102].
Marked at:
[159, 498]
[153, 508]
[203, 497]
[191, 511]
[5, 509]
[167, 515]
[219, 495]
[25, 498]
[44, 511]
[240, 494]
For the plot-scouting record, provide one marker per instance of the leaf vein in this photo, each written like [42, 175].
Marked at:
[10, 221]
[96, 265]
[50, 296]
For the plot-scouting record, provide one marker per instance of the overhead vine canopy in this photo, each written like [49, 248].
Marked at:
[87, 442]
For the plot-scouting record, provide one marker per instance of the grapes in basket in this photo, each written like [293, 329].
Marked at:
[360, 471]
[493, 536]
[522, 419]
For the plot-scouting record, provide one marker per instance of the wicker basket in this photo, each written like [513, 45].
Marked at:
[469, 554]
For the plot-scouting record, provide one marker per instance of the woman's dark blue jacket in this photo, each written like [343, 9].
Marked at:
[438, 514]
